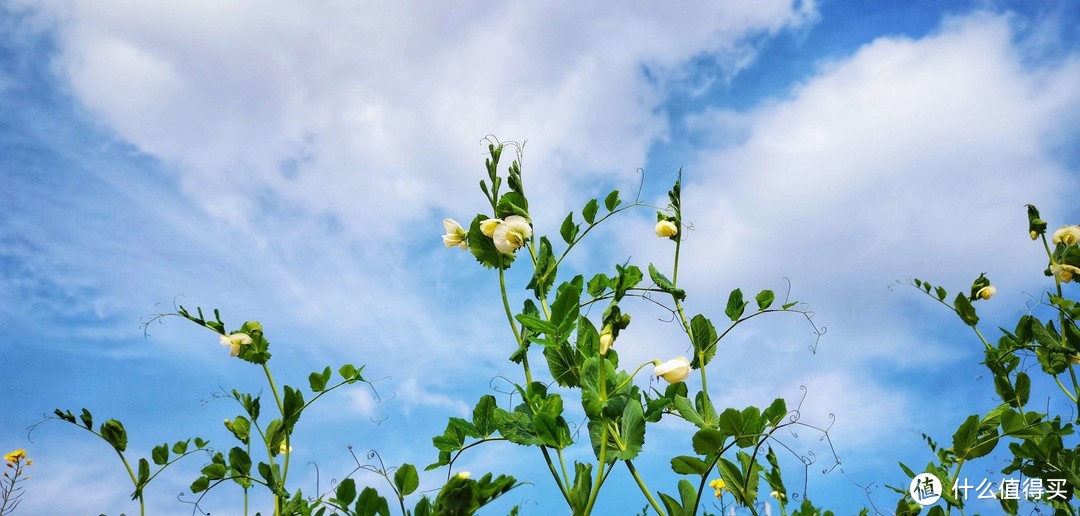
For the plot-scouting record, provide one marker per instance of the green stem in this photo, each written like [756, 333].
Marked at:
[644, 489]
[281, 409]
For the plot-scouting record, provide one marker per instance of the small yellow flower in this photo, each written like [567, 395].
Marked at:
[606, 339]
[674, 370]
[455, 234]
[1064, 273]
[488, 226]
[284, 448]
[1034, 234]
[719, 486]
[778, 495]
[1075, 359]
[666, 229]
[986, 292]
[463, 475]
[234, 342]
[16, 455]
[511, 234]
[1067, 235]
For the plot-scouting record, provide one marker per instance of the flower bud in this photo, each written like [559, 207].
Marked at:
[666, 229]
[463, 475]
[488, 226]
[606, 339]
[986, 292]
[674, 370]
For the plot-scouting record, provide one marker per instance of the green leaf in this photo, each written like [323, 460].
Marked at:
[483, 247]
[612, 200]
[664, 284]
[735, 305]
[371, 504]
[484, 415]
[569, 230]
[545, 271]
[318, 380]
[1023, 389]
[633, 430]
[567, 305]
[565, 363]
[406, 479]
[87, 419]
[687, 465]
[160, 454]
[598, 284]
[347, 371]
[708, 441]
[965, 310]
[144, 472]
[589, 211]
[180, 447]
[516, 427]
[113, 432]
[704, 340]
[345, 492]
[765, 299]
[687, 411]
[775, 412]
[512, 203]
[200, 484]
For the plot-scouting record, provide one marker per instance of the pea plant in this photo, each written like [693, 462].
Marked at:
[1041, 468]
[560, 332]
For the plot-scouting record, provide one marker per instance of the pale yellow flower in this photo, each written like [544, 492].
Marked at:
[1075, 359]
[778, 495]
[1063, 272]
[606, 339]
[488, 226]
[666, 228]
[986, 292]
[1067, 235]
[463, 475]
[511, 234]
[1034, 234]
[674, 370]
[284, 448]
[455, 234]
[234, 342]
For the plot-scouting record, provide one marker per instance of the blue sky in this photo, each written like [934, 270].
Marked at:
[292, 164]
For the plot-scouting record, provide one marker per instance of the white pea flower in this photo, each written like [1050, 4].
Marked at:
[1064, 273]
[455, 234]
[463, 475]
[986, 292]
[234, 342]
[488, 226]
[1067, 235]
[666, 228]
[511, 234]
[674, 370]
[778, 495]
[283, 449]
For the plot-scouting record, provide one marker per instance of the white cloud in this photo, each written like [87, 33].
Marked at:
[359, 110]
